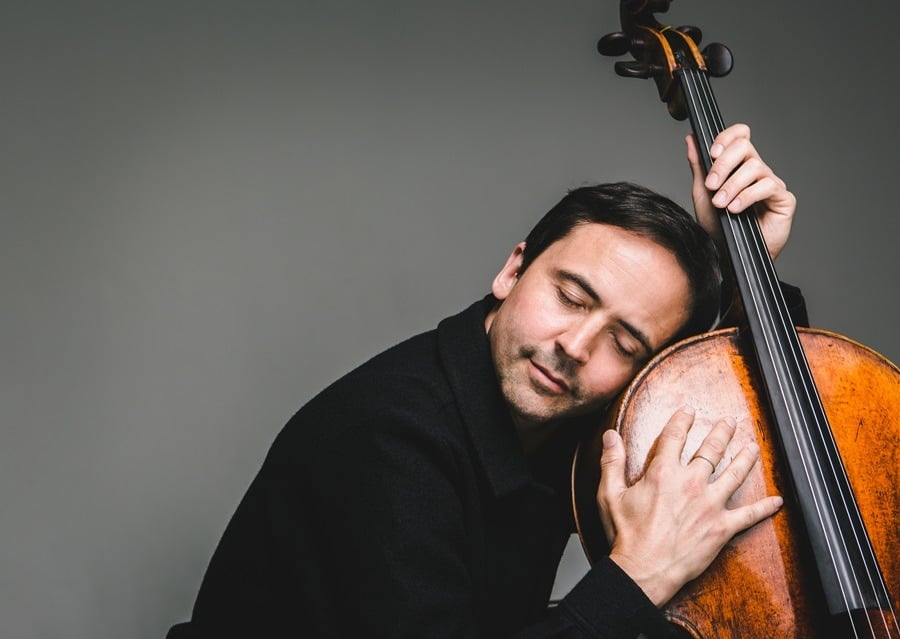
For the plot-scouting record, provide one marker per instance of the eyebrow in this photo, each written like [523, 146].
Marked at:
[637, 333]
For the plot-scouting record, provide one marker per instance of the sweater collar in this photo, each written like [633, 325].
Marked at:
[466, 357]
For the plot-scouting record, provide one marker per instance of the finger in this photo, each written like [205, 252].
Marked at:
[712, 448]
[736, 472]
[744, 176]
[671, 439]
[752, 182]
[736, 154]
[727, 137]
[756, 192]
[612, 479]
[768, 189]
[739, 519]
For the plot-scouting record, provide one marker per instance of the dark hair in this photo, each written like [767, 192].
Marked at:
[648, 214]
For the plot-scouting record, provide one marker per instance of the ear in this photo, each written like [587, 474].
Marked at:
[509, 275]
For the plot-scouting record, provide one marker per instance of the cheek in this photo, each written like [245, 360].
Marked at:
[531, 319]
[607, 375]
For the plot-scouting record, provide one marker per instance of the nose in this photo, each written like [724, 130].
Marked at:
[577, 340]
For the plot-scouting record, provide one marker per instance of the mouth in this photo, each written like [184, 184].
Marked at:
[548, 380]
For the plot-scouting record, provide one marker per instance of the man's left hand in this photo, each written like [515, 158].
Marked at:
[739, 178]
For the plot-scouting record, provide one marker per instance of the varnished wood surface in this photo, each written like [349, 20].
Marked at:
[763, 578]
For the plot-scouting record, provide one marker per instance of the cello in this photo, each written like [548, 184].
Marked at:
[824, 410]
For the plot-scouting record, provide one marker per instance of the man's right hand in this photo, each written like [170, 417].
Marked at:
[667, 528]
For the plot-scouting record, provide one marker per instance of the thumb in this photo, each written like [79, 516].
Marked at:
[703, 206]
[693, 156]
[612, 479]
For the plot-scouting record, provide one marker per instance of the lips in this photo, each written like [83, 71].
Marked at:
[548, 380]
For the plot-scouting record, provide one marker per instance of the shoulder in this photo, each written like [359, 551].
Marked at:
[414, 405]
[400, 398]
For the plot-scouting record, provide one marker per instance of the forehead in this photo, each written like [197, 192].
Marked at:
[594, 243]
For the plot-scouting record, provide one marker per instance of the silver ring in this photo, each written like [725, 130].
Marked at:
[706, 459]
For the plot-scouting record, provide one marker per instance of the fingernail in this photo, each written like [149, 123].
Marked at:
[609, 438]
[753, 448]
[720, 199]
[731, 421]
[712, 181]
[735, 206]
[687, 410]
[778, 501]
[715, 150]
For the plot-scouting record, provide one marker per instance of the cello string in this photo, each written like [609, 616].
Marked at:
[850, 507]
[760, 262]
[695, 93]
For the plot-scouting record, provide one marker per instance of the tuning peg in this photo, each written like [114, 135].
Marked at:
[614, 44]
[719, 60]
[637, 69]
[694, 33]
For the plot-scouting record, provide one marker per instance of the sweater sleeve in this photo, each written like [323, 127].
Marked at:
[607, 603]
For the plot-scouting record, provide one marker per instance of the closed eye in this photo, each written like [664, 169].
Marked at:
[625, 345]
[622, 350]
[567, 300]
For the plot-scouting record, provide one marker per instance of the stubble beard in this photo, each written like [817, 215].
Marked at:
[528, 404]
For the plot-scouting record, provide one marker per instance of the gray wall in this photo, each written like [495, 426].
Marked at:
[212, 209]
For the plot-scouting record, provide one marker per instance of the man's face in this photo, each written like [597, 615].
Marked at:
[586, 314]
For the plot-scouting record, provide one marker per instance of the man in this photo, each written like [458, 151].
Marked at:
[425, 493]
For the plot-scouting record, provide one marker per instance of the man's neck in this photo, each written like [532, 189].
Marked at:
[532, 435]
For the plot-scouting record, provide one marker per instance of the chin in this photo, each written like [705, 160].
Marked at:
[532, 407]
[544, 414]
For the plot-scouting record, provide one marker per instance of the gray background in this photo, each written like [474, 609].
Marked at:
[212, 209]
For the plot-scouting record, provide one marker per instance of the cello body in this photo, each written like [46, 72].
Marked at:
[763, 584]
